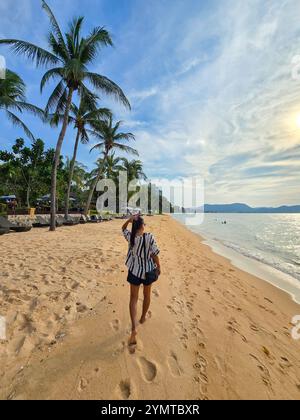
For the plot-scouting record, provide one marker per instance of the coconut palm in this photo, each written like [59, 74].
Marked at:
[12, 98]
[110, 168]
[68, 58]
[134, 169]
[83, 117]
[111, 139]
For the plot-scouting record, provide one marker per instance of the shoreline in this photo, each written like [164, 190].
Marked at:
[277, 278]
[284, 282]
[214, 331]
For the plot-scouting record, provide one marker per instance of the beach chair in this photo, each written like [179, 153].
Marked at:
[95, 219]
[66, 222]
[75, 219]
[6, 224]
[91, 220]
[83, 220]
[106, 218]
[4, 231]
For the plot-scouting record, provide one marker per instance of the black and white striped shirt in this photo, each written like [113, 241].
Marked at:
[136, 256]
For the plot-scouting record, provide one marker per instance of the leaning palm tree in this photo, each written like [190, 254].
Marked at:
[68, 58]
[12, 99]
[83, 117]
[110, 139]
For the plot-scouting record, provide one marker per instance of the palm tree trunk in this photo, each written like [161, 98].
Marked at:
[28, 196]
[57, 160]
[94, 185]
[72, 166]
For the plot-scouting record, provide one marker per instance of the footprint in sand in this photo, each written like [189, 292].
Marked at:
[83, 384]
[125, 389]
[173, 365]
[171, 310]
[285, 363]
[120, 349]
[115, 325]
[265, 374]
[201, 378]
[156, 293]
[148, 369]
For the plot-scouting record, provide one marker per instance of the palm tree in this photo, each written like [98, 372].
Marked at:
[68, 58]
[79, 178]
[109, 168]
[134, 169]
[112, 166]
[82, 117]
[111, 139]
[12, 98]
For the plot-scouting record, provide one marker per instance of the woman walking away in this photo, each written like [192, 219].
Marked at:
[144, 268]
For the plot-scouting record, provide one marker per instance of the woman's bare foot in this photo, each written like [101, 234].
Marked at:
[143, 320]
[132, 340]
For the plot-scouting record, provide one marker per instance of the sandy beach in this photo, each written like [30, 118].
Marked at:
[214, 332]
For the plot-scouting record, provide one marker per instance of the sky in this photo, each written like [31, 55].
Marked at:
[213, 85]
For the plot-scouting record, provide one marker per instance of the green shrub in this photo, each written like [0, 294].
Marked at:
[3, 209]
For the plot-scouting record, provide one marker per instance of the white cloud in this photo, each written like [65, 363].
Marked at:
[236, 101]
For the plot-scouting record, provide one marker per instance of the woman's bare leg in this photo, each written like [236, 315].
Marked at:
[134, 296]
[147, 302]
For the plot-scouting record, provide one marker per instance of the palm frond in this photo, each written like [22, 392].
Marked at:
[55, 97]
[61, 105]
[84, 137]
[125, 136]
[89, 47]
[57, 48]
[116, 127]
[51, 74]
[88, 98]
[9, 103]
[97, 114]
[98, 146]
[19, 123]
[12, 86]
[39, 55]
[36, 111]
[55, 26]
[106, 85]
[126, 149]
[73, 36]
[58, 118]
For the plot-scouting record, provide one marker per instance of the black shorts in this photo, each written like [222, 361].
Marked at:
[136, 281]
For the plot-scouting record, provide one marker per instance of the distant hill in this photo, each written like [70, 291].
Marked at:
[244, 208]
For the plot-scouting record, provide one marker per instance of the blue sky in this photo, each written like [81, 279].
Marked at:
[210, 84]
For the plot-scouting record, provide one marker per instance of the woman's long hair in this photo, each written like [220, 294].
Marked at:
[137, 224]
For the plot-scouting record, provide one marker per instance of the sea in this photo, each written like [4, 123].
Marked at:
[266, 245]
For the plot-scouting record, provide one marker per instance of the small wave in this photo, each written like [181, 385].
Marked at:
[264, 259]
